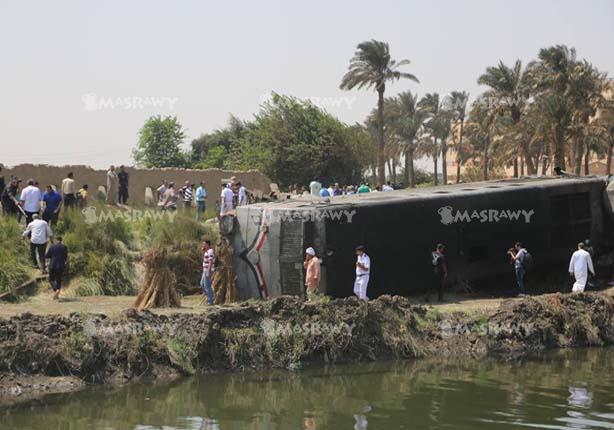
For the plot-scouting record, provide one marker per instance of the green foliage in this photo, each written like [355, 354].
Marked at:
[100, 254]
[160, 142]
[14, 260]
[290, 140]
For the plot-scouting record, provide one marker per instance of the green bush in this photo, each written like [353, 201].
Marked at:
[14, 255]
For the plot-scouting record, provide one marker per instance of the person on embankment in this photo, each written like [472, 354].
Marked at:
[58, 257]
[363, 268]
[312, 272]
[440, 270]
[580, 265]
[39, 233]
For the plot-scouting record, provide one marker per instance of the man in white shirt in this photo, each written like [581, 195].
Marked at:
[68, 190]
[387, 187]
[227, 197]
[315, 187]
[30, 200]
[579, 266]
[242, 194]
[39, 233]
[363, 268]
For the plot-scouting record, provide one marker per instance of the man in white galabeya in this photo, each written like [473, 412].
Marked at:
[580, 265]
[363, 268]
[39, 233]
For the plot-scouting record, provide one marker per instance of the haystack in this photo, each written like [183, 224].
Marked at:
[159, 289]
[224, 280]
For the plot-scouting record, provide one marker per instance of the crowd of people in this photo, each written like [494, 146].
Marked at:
[233, 194]
[316, 189]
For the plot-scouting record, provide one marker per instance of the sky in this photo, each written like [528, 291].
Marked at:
[78, 79]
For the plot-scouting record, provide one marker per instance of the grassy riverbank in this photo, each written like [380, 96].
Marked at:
[284, 333]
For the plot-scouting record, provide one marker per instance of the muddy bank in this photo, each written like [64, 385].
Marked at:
[41, 354]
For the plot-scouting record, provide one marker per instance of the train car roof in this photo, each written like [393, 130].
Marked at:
[407, 194]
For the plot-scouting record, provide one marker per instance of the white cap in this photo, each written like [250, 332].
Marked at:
[310, 251]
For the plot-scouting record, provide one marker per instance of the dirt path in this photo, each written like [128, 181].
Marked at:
[43, 304]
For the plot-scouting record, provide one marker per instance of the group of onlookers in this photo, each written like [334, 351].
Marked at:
[233, 194]
[316, 189]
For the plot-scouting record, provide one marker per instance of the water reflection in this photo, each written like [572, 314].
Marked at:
[570, 390]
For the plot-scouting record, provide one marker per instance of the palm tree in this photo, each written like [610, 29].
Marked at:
[481, 130]
[438, 124]
[456, 103]
[372, 67]
[409, 125]
[509, 93]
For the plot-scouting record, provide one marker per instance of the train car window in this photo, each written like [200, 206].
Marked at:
[580, 207]
[560, 209]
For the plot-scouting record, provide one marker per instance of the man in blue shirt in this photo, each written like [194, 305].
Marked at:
[53, 203]
[324, 192]
[201, 195]
[58, 255]
[518, 255]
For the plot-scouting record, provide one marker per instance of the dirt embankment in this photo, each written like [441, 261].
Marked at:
[40, 354]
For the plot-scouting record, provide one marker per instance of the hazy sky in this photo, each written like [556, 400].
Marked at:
[66, 64]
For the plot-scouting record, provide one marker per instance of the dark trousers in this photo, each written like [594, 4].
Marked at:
[29, 216]
[51, 217]
[123, 195]
[55, 278]
[520, 279]
[69, 200]
[38, 249]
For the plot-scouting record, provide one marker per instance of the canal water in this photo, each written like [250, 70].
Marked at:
[562, 390]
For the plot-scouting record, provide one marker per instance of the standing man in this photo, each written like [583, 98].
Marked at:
[440, 269]
[161, 190]
[53, 203]
[82, 196]
[30, 200]
[169, 200]
[312, 272]
[201, 195]
[40, 233]
[68, 190]
[122, 177]
[363, 267]
[242, 194]
[315, 187]
[364, 188]
[58, 256]
[111, 186]
[580, 265]
[187, 192]
[518, 255]
[9, 198]
[227, 197]
[208, 269]
[387, 187]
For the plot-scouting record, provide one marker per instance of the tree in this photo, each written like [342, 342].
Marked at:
[438, 125]
[159, 145]
[482, 120]
[509, 92]
[409, 125]
[456, 103]
[371, 67]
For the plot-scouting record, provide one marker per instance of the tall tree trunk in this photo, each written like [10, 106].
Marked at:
[485, 157]
[528, 160]
[559, 148]
[459, 158]
[444, 162]
[579, 152]
[410, 165]
[394, 170]
[381, 166]
[515, 164]
[610, 149]
[587, 159]
[435, 168]
[521, 165]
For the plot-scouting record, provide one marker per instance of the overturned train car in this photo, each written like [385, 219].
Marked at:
[477, 222]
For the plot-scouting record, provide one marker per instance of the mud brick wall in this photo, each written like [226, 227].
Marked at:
[140, 179]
